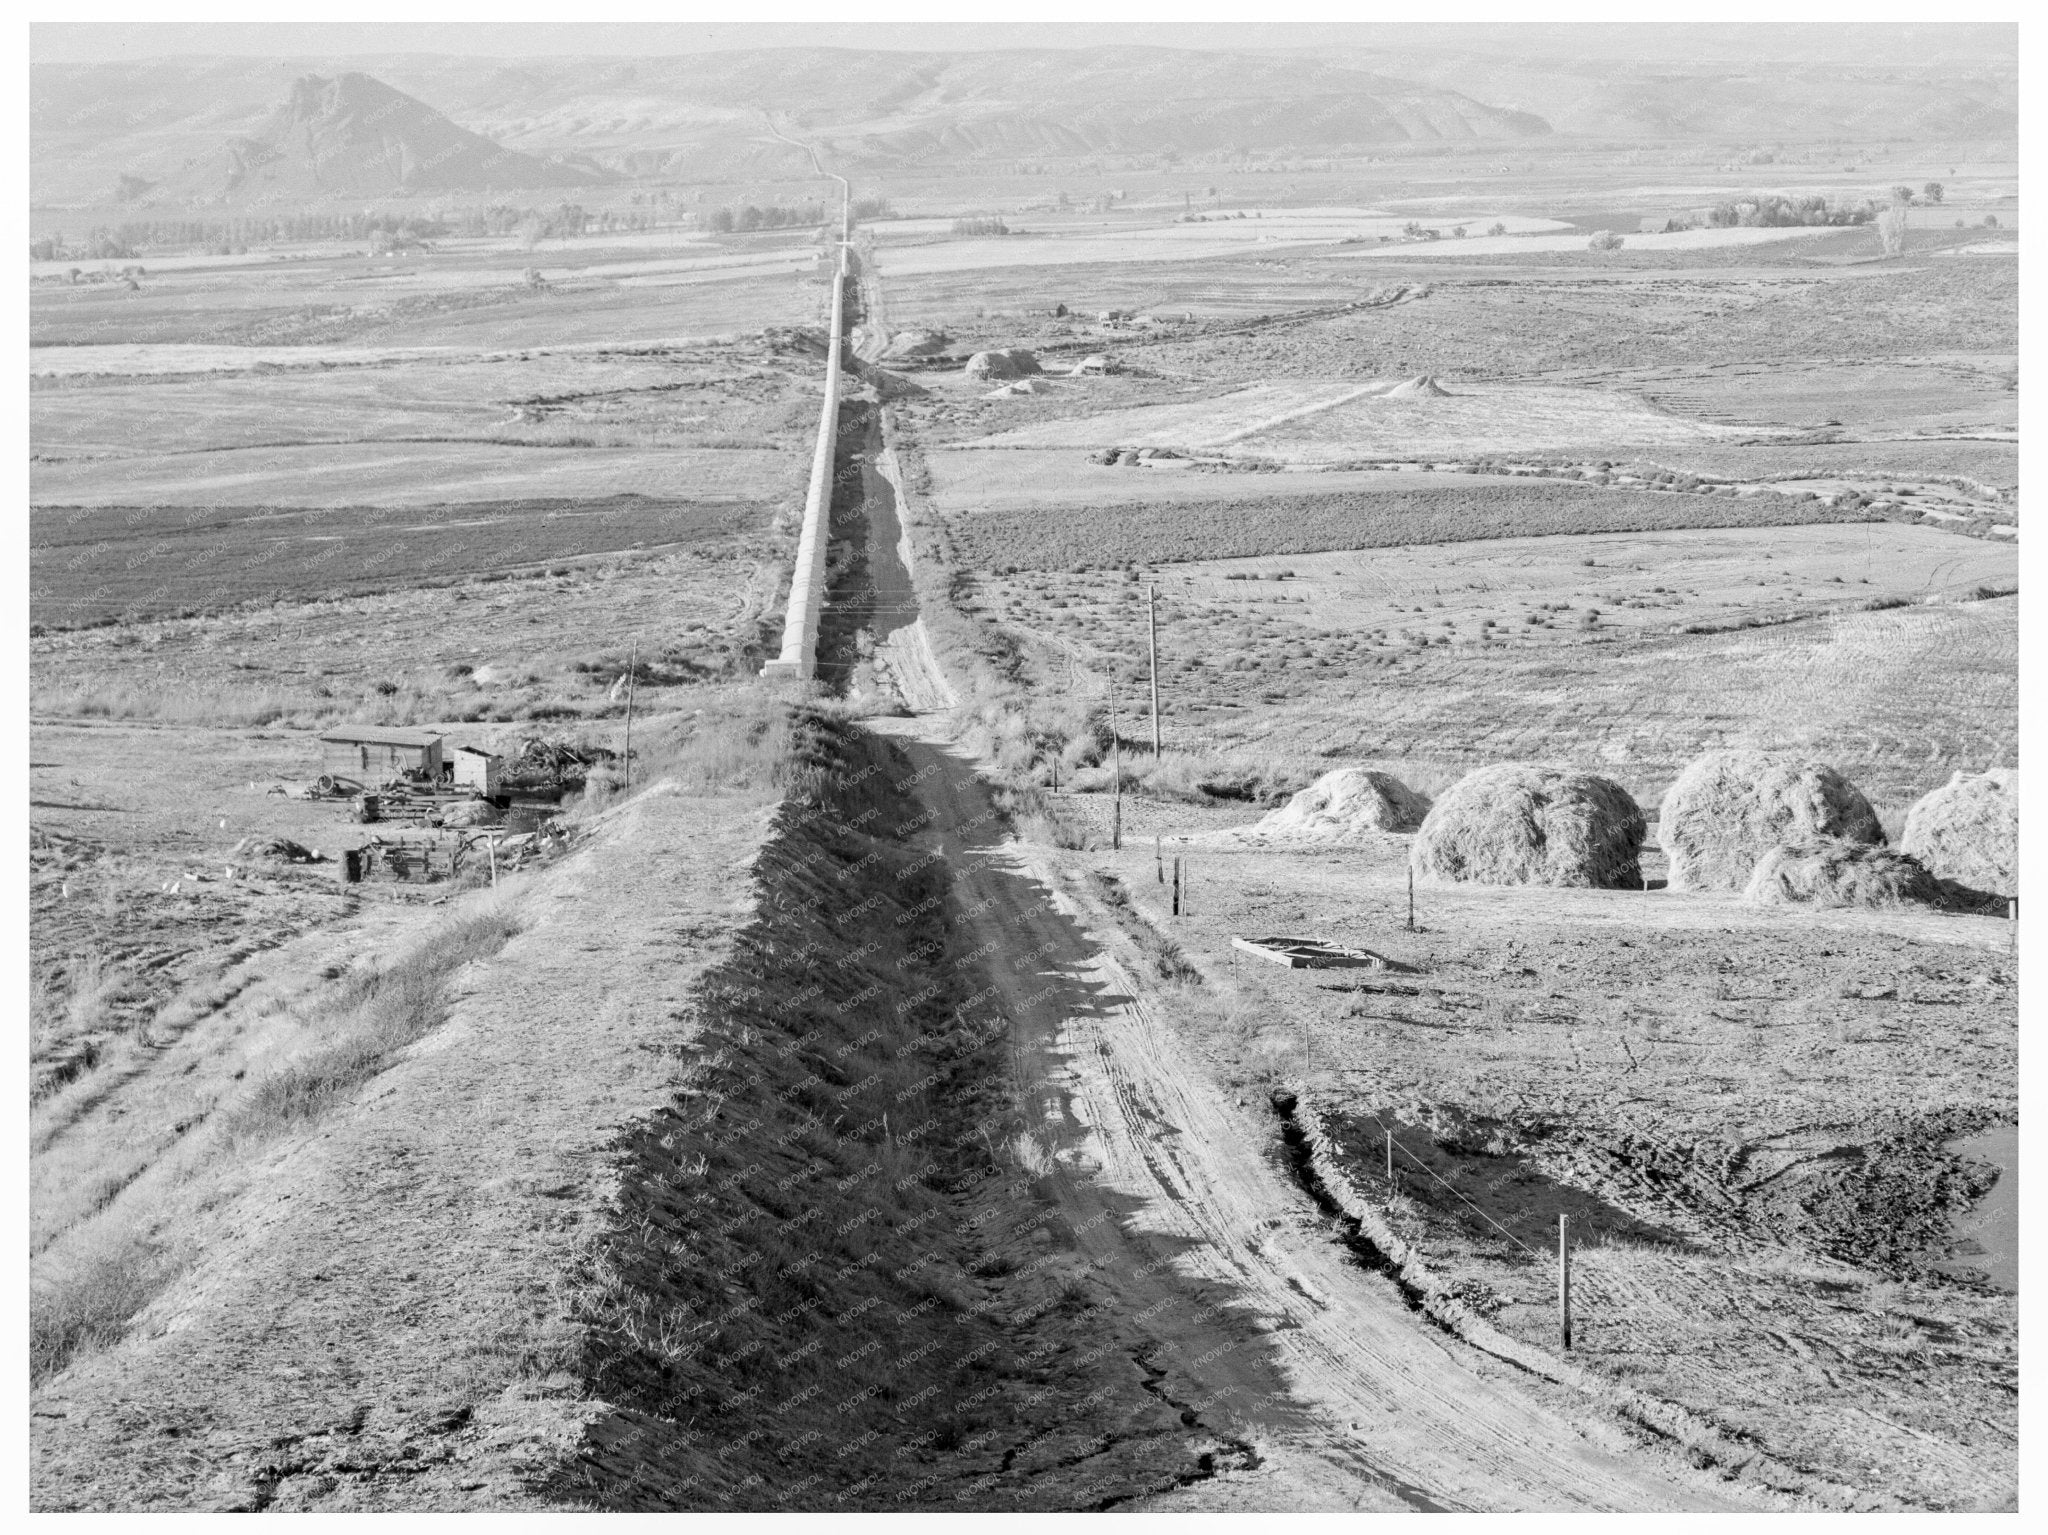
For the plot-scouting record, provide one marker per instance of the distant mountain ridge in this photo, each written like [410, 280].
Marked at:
[704, 116]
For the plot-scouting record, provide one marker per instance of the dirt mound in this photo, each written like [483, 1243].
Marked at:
[1968, 831]
[1729, 808]
[887, 385]
[1833, 871]
[1346, 806]
[1021, 387]
[274, 850]
[1514, 824]
[1421, 387]
[917, 343]
[1015, 363]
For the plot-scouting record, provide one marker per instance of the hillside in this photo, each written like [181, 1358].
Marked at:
[1678, 96]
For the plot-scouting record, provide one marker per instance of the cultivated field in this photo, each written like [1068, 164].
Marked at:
[1306, 423]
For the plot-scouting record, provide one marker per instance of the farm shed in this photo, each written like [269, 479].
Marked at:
[478, 769]
[373, 753]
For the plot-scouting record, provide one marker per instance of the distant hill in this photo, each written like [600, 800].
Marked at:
[349, 136]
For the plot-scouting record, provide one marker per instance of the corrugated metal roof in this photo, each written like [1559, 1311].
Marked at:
[379, 735]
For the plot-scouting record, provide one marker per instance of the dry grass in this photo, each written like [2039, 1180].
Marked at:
[375, 1014]
[115, 1253]
[86, 1304]
[186, 703]
[738, 740]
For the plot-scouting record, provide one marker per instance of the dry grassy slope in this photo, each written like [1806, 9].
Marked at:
[378, 1323]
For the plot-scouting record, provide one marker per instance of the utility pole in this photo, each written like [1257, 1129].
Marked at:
[1152, 645]
[632, 680]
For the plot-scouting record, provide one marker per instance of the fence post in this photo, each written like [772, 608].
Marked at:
[1411, 898]
[1564, 1283]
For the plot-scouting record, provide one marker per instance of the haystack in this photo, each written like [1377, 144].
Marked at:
[1350, 805]
[1422, 386]
[1968, 831]
[1519, 825]
[1015, 363]
[1833, 871]
[1729, 808]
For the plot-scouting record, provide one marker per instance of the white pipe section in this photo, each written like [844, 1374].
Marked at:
[799, 657]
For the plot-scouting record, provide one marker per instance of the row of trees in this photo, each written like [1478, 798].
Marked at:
[381, 231]
[749, 217]
[987, 226]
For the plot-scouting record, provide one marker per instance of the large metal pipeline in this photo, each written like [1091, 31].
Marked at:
[799, 656]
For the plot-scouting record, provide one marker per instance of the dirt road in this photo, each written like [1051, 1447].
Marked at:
[1318, 1385]
[1259, 1324]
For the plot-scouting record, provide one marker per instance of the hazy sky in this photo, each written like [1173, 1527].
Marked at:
[72, 42]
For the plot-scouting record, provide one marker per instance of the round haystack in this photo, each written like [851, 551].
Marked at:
[1519, 825]
[1349, 805]
[1968, 831]
[1422, 386]
[1729, 808]
[1015, 363]
[1833, 871]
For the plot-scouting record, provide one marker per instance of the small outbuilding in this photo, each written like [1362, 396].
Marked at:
[478, 769]
[373, 753]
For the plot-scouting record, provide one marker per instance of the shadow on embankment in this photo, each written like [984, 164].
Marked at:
[839, 1272]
